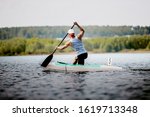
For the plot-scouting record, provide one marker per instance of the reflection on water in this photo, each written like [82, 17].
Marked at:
[21, 77]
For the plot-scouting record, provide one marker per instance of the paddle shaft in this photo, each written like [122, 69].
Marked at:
[49, 58]
[62, 41]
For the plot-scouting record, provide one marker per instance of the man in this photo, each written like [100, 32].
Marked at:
[77, 45]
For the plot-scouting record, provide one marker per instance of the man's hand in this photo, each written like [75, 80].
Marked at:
[58, 48]
[75, 23]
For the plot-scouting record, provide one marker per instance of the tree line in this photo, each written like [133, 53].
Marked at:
[22, 46]
[60, 31]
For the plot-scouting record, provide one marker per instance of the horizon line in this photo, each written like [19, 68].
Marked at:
[70, 25]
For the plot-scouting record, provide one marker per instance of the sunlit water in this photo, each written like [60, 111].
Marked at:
[22, 77]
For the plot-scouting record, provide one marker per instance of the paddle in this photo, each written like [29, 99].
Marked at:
[49, 58]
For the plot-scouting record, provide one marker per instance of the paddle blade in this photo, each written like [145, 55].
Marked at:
[47, 60]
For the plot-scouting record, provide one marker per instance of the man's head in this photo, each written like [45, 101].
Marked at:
[71, 33]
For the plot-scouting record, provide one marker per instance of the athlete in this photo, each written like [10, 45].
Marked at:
[77, 45]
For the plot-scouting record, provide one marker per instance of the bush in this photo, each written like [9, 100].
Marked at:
[19, 46]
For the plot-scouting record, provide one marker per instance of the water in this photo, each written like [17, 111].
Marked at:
[22, 77]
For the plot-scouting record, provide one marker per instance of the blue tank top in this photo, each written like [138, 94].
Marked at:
[78, 46]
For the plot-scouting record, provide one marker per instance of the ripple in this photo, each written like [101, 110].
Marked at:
[141, 69]
[24, 78]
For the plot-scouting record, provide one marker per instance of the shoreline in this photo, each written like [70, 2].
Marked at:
[71, 53]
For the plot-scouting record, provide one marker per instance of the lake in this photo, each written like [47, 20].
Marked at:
[22, 77]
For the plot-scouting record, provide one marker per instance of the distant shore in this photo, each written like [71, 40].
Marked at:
[90, 52]
[35, 46]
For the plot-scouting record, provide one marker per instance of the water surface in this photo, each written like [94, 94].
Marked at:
[22, 77]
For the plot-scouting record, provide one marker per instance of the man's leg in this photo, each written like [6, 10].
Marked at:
[81, 61]
[75, 60]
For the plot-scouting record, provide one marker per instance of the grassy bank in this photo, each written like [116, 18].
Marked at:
[21, 46]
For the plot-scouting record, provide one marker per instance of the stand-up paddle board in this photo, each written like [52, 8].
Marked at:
[61, 66]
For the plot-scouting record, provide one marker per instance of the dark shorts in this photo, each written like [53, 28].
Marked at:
[81, 58]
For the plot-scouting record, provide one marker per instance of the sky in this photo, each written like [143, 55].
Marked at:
[65, 12]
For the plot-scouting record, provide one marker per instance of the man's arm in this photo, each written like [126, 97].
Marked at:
[64, 46]
[80, 35]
